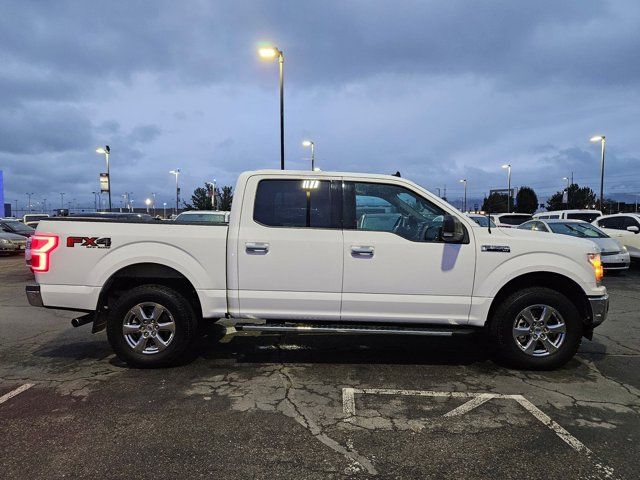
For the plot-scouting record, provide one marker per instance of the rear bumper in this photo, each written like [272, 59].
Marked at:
[34, 296]
[599, 309]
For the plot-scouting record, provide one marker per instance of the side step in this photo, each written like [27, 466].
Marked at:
[350, 329]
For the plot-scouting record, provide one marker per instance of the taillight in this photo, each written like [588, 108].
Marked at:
[41, 248]
[596, 263]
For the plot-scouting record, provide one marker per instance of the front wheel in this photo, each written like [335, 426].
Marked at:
[151, 326]
[536, 328]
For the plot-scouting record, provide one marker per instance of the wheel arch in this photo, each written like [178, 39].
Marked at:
[561, 283]
[138, 274]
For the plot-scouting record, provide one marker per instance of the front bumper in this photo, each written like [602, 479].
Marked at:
[599, 309]
[34, 296]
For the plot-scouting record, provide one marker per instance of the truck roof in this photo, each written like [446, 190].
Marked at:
[322, 173]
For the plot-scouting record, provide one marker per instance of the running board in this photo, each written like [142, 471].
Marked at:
[349, 329]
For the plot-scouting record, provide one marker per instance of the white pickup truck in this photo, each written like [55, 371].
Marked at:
[322, 252]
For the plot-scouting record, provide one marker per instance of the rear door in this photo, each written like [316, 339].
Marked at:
[289, 248]
[396, 268]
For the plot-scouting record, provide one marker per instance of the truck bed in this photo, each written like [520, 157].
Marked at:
[91, 251]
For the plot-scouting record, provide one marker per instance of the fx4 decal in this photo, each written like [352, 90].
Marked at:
[89, 242]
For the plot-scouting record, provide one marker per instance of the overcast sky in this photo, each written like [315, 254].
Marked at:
[440, 90]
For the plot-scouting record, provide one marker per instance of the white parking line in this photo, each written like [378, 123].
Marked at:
[17, 391]
[477, 399]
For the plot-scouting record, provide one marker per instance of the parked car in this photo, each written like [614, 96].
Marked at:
[624, 227]
[576, 214]
[17, 227]
[294, 259]
[510, 220]
[615, 257]
[203, 216]
[482, 220]
[32, 219]
[11, 243]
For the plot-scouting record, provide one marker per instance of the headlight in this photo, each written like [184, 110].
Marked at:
[596, 262]
[4, 241]
[624, 249]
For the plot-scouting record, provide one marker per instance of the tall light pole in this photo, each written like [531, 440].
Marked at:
[154, 203]
[269, 53]
[44, 205]
[29, 196]
[62, 200]
[636, 209]
[601, 139]
[176, 172]
[508, 167]
[106, 151]
[164, 210]
[147, 202]
[309, 143]
[567, 179]
[464, 180]
[95, 201]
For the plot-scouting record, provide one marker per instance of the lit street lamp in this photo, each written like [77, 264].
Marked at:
[508, 166]
[164, 210]
[147, 202]
[601, 139]
[269, 53]
[107, 151]
[309, 143]
[464, 208]
[176, 172]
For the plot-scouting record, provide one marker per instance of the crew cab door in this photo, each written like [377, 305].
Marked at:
[289, 248]
[395, 265]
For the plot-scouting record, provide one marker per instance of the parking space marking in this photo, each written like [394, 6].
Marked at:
[17, 391]
[477, 399]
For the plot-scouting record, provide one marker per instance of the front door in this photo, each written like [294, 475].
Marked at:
[395, 265]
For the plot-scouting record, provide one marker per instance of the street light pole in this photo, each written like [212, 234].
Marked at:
[309, 143]
[568, 185]
[164, 210]
[508, 167]
[464, 180]
[154, 203]
[107, 151]
[601, 139]
[271, 53]
[62, 200]
[29, 195]
[176, 172]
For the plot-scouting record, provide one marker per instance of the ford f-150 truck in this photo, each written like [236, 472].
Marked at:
[321, 252]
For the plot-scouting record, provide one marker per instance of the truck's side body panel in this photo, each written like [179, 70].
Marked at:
[197, 252]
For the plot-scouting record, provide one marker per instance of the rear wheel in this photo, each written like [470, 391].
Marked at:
[151, 326]
[536, 328]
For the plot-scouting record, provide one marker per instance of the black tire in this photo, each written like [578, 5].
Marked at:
[178, 309]
[506, 315]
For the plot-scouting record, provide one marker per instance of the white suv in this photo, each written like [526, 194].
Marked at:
[625, 227]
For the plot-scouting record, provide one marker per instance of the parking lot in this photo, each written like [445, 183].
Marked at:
[317, 406]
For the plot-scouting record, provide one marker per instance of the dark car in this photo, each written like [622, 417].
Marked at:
[14, 226]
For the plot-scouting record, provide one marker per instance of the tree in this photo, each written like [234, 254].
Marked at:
[202, 200]
[526, 200]
[579, 197]
[495, 203]
[225, 199]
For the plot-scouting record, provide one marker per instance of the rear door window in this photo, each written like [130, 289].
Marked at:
[298, 203]
[611, 222]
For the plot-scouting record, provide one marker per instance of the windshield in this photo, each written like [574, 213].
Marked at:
[19, 227]
[582, 230]
[201, 218]
[483, 221]
[513, 219]
[586, 216]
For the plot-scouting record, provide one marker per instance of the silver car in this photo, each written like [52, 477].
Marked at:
[10, 243]
[615, 257]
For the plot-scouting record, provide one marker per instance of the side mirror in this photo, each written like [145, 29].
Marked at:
[633, 229]
[452, 230]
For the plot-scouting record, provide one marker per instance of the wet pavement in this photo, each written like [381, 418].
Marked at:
[289, 406]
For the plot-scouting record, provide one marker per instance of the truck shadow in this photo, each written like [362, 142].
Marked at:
[346, 349]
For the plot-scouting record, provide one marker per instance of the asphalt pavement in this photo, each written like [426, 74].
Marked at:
[320, 406]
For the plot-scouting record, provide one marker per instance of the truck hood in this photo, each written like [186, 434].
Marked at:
[536, 241]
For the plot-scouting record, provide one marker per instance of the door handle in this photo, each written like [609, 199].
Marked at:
[257, 247]
[361, 251]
